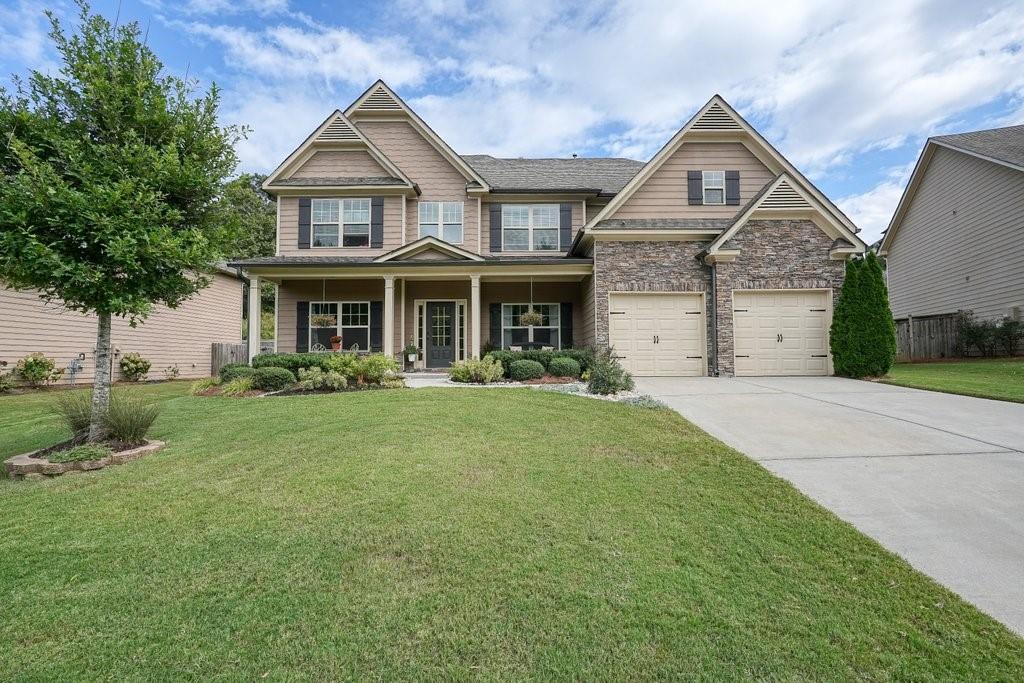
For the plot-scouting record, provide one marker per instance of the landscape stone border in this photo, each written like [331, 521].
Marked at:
[26, 466]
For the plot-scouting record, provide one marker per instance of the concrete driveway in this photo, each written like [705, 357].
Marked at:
[936, 478]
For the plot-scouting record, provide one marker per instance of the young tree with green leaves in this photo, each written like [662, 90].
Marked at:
[863, 333]
[110, 175]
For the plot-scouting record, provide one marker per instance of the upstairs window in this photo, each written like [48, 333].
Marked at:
[442, 220]
[714, 187]
[340, 220]
[529, 227]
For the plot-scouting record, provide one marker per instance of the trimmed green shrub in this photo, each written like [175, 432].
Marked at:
[89, 451]
[477, 371]
[863, 333]
[37, 369]
[238, 386]
[585, 357]
[522, 370]
[134, 367]
[315, 379]
[202, 385]
[607, 376]
[374, 369]
[272, 379]
[563, 366]
[233, 371]
[1008, 336]
[294, 361]
[344, 364]
[74, 410]
[129, 418]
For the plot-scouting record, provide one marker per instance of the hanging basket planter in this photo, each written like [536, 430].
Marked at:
[531, 318]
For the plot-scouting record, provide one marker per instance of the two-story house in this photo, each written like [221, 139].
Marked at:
[716, 256]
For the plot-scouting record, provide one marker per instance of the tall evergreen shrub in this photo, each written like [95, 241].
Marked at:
[863, 334]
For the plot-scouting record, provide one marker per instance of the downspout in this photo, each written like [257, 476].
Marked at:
[713, 369]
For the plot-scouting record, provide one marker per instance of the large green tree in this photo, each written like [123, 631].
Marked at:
[111, 172]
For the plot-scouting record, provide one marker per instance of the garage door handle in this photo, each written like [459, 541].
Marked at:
[819, 355]
[817, 310]
[695, 356]
[739, 310]
[616, 313]
[694, 312]
[739, 356]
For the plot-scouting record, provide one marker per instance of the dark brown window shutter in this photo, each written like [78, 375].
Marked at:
[694, 187]
[494, 311]
[301, 326]
[565, 323]
[376, 326]
[305, 213]
[564, 226]
[376, 222]
[495, 227]
[732, 188]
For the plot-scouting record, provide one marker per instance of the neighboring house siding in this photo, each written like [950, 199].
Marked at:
[288, 230]
[961, 243]
[339, 164]
[774, 254]
[437, 179]
[664, 194]
[578, 220]
[181, 336]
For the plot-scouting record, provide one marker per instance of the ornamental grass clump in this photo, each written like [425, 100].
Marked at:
[238, 386]
[74, 410]
[201, 386]
[129, 418]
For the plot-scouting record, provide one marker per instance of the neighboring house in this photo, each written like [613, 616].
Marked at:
[181, 337]
[956, 241]
[715, 256]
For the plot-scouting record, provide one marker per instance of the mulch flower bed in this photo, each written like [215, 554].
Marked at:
[36, 465]
[550, 379]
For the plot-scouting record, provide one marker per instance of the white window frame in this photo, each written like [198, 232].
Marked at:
[706, 185]
[338, 325]
[557, 328]
[340, 225]
[530, 227]
[441, 223]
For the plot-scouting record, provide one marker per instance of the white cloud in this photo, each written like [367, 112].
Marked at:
[872, 210]
[23, 34]
[262, 8]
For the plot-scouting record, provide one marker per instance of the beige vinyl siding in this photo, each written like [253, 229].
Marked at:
[664, 194]
[340, 164]
[288, 230]
[961, 243]
[595, 206]
[584, 334]
[181, 336]
[577, 223]
[290, 292]
[437, 179]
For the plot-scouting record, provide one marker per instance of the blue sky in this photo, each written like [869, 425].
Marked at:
[848, 90]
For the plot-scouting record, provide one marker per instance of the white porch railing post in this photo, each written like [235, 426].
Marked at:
[389, 316]
[474, 314]
[254, 317]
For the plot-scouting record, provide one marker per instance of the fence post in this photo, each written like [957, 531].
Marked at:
[910, 332]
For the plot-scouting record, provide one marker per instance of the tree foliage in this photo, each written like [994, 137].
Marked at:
[863, 333]
[252, 216]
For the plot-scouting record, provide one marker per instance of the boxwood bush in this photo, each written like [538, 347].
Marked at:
[233, 371]
[563, 366]
[294, 361]
[272, 379]
[584, 357]
[522, 370]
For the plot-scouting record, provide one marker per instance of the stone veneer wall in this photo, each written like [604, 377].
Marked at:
[662, 266]
[774, 254]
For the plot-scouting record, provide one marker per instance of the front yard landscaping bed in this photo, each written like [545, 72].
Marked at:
[452, 534]
[1000, 379]
[39, 463]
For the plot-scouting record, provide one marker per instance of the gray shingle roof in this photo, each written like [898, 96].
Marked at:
[665, 223]
[605, 175]
[1003, 144]
[339, 182]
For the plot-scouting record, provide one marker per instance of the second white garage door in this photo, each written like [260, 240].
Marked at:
[659, 334]
[782, 332]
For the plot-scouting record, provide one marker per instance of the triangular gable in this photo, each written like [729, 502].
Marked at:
[379, 99]
[785, 197]
[336, 132]
[424, 244]
[718, 117]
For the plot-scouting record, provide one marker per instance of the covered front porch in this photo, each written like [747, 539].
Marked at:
[446, 312]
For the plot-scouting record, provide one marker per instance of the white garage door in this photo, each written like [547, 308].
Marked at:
[781, 332]
[659, 334]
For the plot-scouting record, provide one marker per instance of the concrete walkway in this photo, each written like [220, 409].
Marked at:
[936, 478]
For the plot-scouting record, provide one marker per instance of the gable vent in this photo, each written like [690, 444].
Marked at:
[785, 196]
[380, 100]
[337, 131]
[716, 118]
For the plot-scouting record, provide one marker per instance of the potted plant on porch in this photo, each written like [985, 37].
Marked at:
[531, 318]
[411, 353]
[336, 343]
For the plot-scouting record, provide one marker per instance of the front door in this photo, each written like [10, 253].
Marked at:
[440, 334]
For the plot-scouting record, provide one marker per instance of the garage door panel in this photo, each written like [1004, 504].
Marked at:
[678, 322]
[781, 332]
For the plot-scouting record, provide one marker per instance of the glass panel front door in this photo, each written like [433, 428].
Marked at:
[440, 334]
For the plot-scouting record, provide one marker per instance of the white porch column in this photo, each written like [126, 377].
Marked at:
[254, 317]
[389, 316]
[474, 313]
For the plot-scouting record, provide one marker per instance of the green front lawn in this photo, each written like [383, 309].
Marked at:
[1001, 379]
[452, 534]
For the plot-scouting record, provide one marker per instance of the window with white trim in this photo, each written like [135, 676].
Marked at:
[515, 333]
[442, 220]
[714, 187]
[349, 320]
[529, 227]
[344, 220]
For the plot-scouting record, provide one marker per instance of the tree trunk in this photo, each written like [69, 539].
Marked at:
[101, 383]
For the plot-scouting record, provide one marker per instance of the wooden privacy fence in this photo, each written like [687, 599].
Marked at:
[926, 337]
[227, 353]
